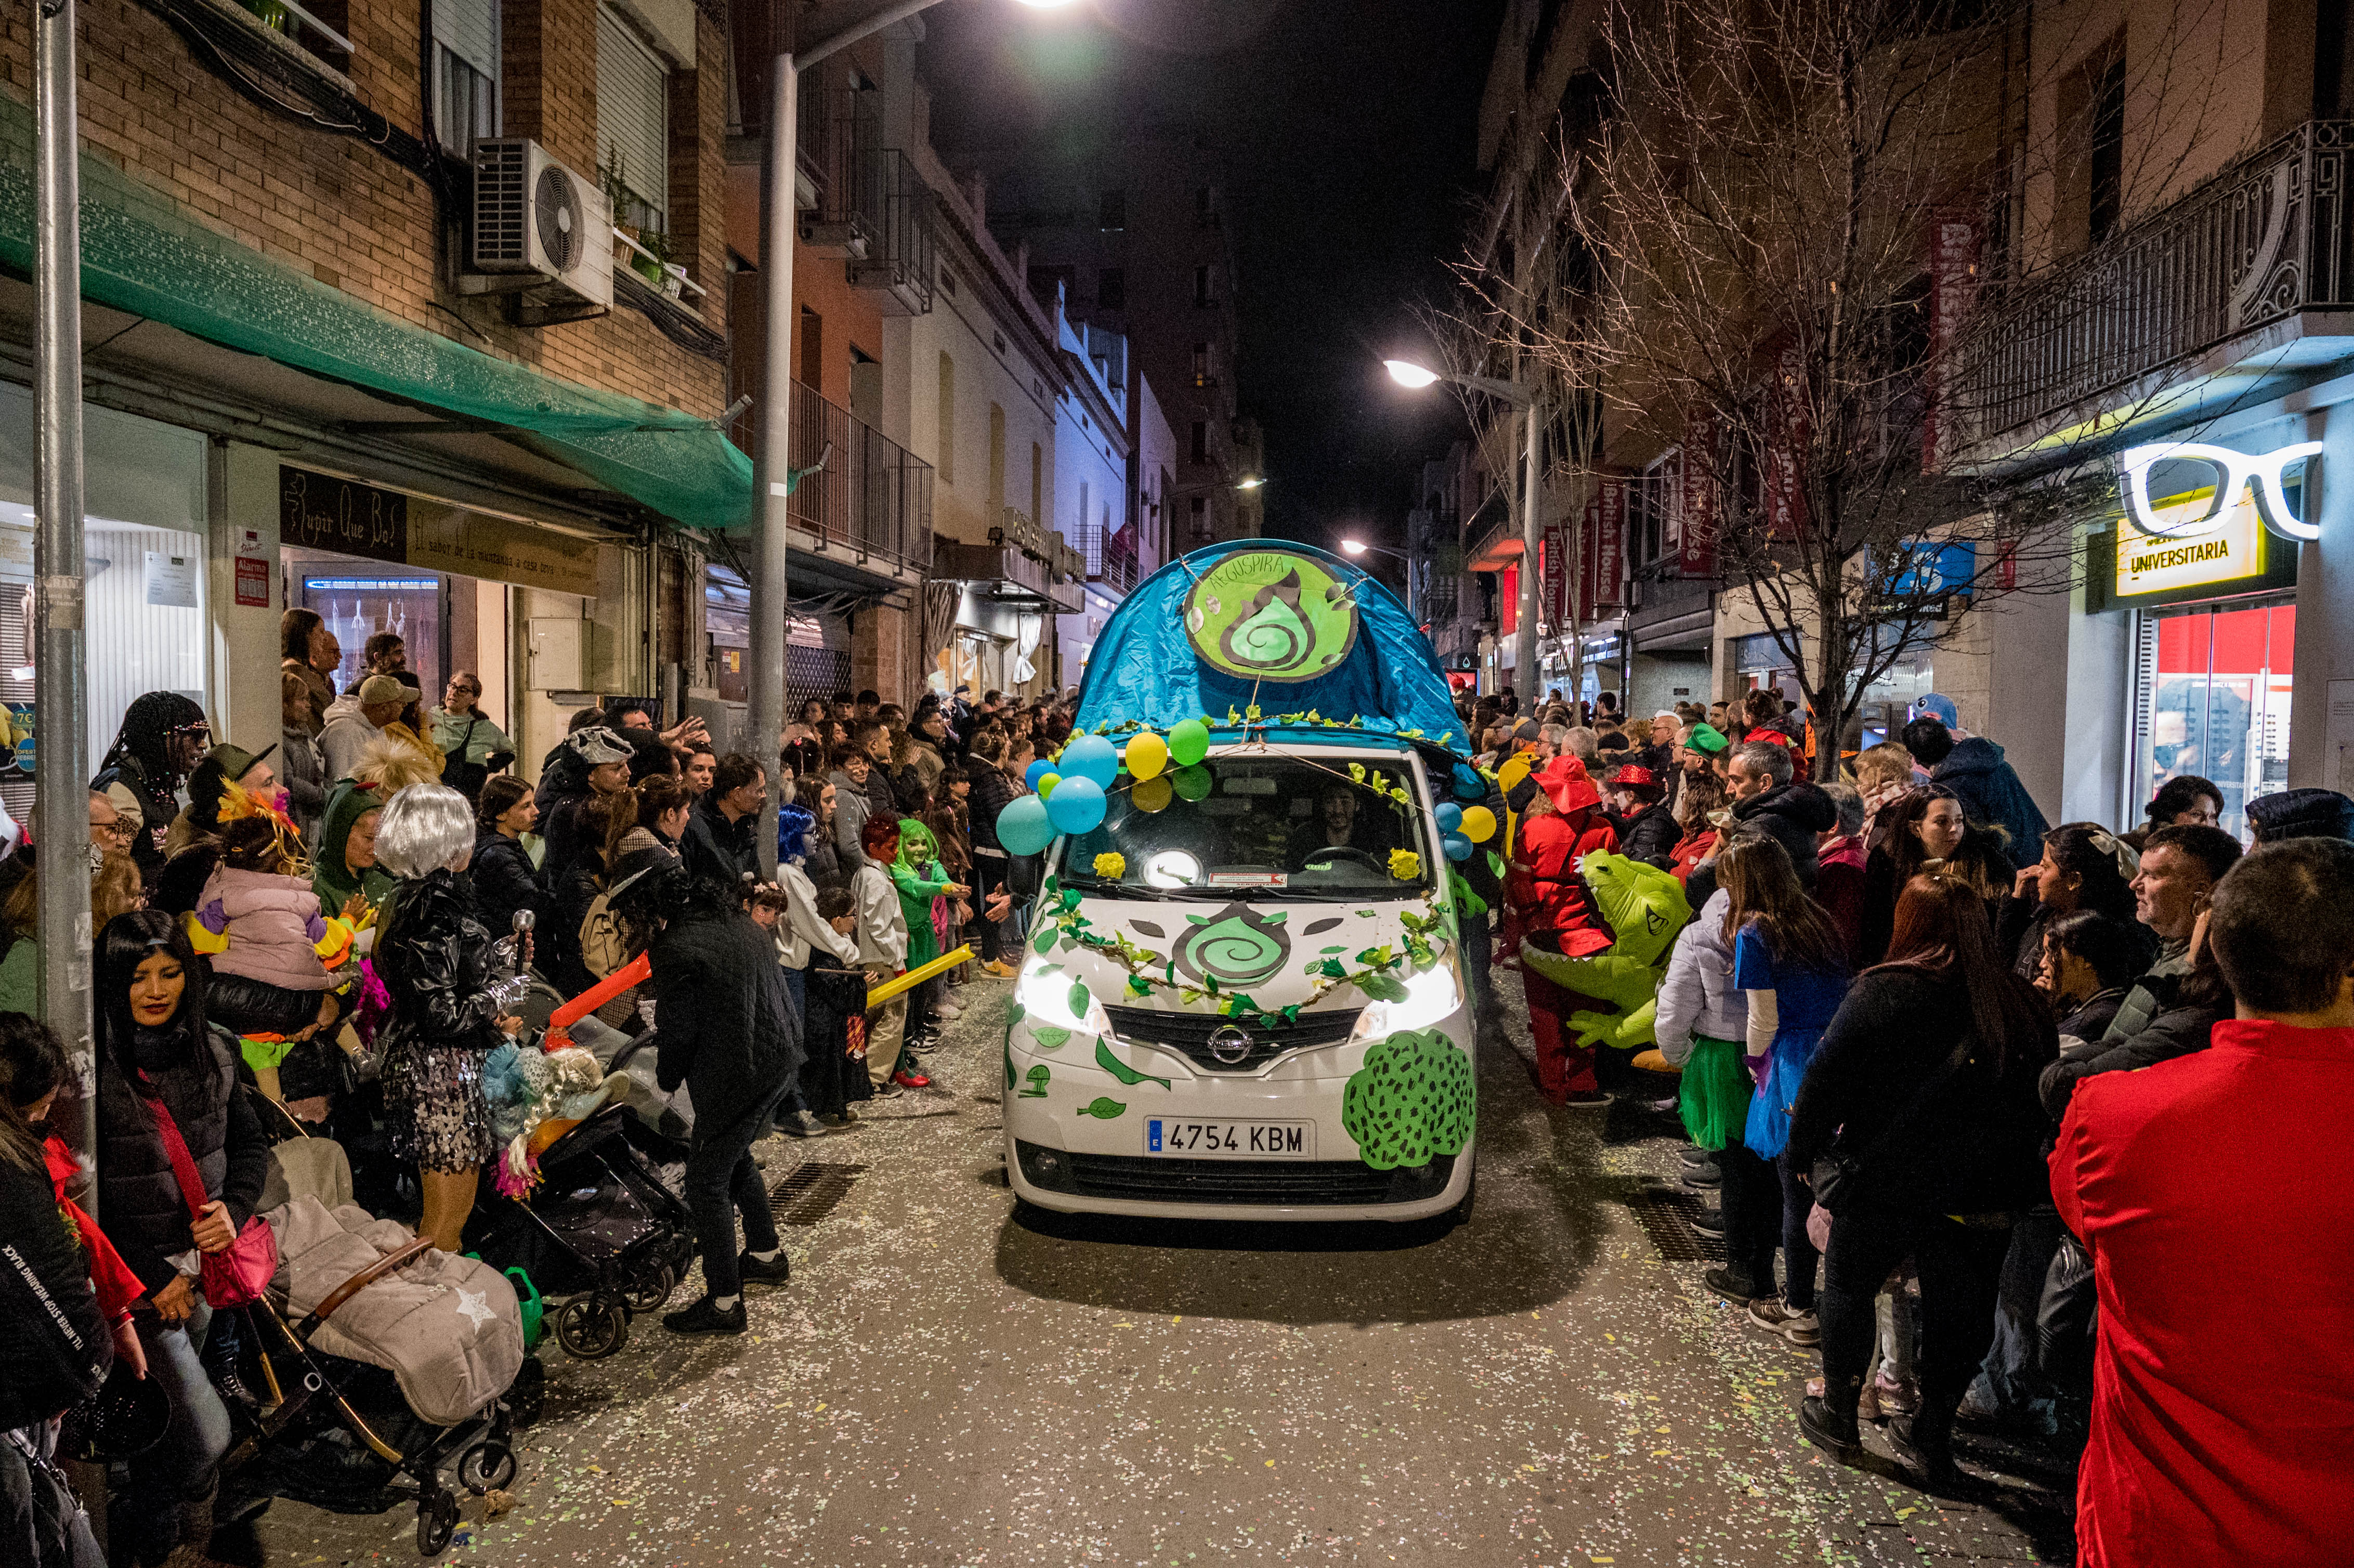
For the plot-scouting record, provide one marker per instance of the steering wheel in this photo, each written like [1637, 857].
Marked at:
[1325, 856]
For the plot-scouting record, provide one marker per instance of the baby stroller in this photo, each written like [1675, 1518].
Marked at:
[343, 1392]
[602, 1231]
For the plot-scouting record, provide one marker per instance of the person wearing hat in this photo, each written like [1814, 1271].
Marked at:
[379, 700]
[223, 766]
[726, 1030]
[597, 762]
[1563, 824]
[1701, 750]
[162, 737]
[1647, 830]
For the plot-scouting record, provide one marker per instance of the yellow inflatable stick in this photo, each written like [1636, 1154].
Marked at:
[1515, 768]
[877, 995]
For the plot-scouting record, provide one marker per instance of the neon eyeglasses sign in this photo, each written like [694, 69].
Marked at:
[2233, 472]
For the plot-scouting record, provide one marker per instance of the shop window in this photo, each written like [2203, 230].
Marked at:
[2213, 701]
[632, 125]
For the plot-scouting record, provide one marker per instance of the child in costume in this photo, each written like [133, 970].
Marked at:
[277, 961]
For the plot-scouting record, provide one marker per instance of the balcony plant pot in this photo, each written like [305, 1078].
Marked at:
[673, 281]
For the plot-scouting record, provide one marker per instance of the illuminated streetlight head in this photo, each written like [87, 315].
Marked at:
[1406, 373]
[1354, 547]
[1253, 482]
[1045, 5]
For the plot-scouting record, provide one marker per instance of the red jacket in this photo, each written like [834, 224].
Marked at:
[1548, 894]
[2216, 1192]
[117, 1287]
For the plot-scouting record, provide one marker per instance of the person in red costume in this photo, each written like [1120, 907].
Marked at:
[1562, 825]
[2215, 1192]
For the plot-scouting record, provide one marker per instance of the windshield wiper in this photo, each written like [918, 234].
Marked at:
[1119, 889]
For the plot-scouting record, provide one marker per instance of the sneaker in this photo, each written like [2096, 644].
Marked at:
[752, 1272]
[1591, 1099]
[1893, 1396]
[949, 1010]
[801, 1124]
[888, 1087]
[702, 1317]
[1709, 1222]
[1771, 1312]
[908, 1078]
[1734, 1287]
[1703, 1176]
[999, 967]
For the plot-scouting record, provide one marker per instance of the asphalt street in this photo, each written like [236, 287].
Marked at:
[946, 1383]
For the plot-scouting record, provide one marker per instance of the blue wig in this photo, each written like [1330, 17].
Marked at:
[793, 823]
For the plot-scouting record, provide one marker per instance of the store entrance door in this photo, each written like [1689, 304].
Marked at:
[2214, 702]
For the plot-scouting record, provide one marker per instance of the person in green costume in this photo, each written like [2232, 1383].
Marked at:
[922, 882]
[346, 859]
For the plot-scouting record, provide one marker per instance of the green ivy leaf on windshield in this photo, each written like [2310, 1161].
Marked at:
[1045, 942]
[1079, 998]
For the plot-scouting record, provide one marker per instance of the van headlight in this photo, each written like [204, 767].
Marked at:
[1430, 997]
[1046, 999]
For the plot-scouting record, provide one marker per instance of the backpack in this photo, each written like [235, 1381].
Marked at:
[464, 776]
[602, 949]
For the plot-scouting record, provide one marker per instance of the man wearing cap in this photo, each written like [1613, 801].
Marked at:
[208, 787]
[1701, 751]
[1648, 831]
[599, 758]
[380, 700]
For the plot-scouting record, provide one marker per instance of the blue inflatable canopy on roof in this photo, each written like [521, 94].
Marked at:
[1285, 627]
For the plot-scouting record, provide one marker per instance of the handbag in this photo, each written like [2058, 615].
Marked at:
[236, 1275]
[464, 776]
[1837, 1173]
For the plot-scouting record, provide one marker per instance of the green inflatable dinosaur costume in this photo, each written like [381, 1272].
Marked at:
[1645, 907]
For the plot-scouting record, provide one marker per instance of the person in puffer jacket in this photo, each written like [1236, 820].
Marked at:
[1702, 1023]
[276, 960]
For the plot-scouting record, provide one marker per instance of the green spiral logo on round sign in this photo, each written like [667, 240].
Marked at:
[1236, 946]
[1269, 615]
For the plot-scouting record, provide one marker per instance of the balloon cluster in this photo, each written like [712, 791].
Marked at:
[1072, 786]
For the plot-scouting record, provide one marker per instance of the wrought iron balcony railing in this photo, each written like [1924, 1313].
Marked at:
[2268, 237]
[873, 497]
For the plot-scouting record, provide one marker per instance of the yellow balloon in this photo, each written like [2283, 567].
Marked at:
[1151, 794]
[1478, 824]
[1147, 754]
[1047, 782]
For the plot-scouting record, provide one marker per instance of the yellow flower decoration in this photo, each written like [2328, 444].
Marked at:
[1405, 864]
[1110, 867]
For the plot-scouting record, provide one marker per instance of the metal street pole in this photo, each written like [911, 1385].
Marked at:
[1525, 652]
[773, 481]
[61, 748]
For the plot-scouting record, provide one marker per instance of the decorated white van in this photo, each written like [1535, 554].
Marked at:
[1241, 997]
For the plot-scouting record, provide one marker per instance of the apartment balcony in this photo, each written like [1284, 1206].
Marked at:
[870, 507]
[897, 260]
[2240, 290]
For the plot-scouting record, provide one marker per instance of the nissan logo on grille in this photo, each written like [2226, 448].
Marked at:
[1230, 1044]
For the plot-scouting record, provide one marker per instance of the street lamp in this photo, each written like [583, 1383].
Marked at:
[1522, 397]
[1254, 481]
[1356, 548]
[773, 480]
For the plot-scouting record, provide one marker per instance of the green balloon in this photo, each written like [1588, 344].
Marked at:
[1192, 783]
[1189, 742]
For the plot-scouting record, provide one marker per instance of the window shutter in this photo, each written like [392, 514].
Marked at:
[470, 29]
[632, 110]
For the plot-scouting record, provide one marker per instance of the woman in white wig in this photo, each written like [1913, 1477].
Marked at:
[434, 958]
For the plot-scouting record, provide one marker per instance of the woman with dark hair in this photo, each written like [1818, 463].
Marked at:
[993, 790]
[1921, 1104]
[1789, 963]
[434, 958]
[162, 737]
[2084, 867]
[1922, 824]
[309, 652]
[160, 1059]
[2183, 801]
[503, 877]
[724, 1028]
[823, 863]
[2089, 959]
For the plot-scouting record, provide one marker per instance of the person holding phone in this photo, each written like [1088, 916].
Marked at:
[159, 1057]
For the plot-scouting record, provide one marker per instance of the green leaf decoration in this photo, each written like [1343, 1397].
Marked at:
[1121, 1070]
[1364, 913]
[1013, 1011]
[1356, 772]
[1104, 1108]
[1382, 986]
[1331, 968]
[1079, 998]
[1277, 919]
[1035, 1089]
[1139, 986]
[1045, 942]
[1495, 864]
[1332, 949]
[1048, 1037]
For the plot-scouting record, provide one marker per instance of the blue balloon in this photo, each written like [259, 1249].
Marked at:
[1450, 817]
[1090, 756]
[1457, 847]
[1022, 827]
[1469, 785]
[1075, 807]
[1032, 774]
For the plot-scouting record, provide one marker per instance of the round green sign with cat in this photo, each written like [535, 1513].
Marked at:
[1270, 615]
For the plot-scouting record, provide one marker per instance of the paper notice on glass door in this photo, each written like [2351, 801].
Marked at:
[2337, 756]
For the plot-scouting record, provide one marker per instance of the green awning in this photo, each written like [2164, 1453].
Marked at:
[141, 255]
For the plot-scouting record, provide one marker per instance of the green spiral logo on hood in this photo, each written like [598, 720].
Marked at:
[1269, 615]
[1236, 946]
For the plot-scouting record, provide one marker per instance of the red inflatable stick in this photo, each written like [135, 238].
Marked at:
[637, 971]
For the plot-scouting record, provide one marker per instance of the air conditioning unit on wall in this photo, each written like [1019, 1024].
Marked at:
[542, 233]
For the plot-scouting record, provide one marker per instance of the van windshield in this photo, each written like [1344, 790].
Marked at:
[1289, 827]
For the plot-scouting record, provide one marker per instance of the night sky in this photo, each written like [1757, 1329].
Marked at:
[1350, 126]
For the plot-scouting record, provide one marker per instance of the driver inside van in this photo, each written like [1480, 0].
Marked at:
[1336, 824]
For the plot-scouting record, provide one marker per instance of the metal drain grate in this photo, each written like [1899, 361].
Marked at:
[808, 1193]
[1666, 1219]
